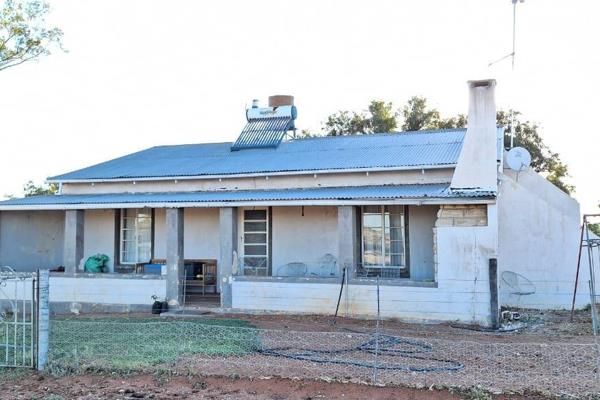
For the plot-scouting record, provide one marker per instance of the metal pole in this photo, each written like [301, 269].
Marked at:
[375, 365]
[24, 321]
[493, 280]
[32, 335]
[337, 307]
[514, 33]
[591, 281]
[43, 317]
[578, 266]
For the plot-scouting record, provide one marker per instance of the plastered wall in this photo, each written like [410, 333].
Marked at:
[460, 291]
[31, 239]
[416, 176]
[99, 235]
[539, 230]
[303, 238]
[201, 233]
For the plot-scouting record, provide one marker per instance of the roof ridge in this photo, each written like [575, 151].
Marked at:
[379, 134]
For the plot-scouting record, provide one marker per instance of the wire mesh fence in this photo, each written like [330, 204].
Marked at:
[234, 347]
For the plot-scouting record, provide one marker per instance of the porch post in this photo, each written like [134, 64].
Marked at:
[175, 267]
[228, 240]
[73, 243]
[347, 242]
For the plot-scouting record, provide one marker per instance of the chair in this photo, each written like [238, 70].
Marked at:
[517, 285]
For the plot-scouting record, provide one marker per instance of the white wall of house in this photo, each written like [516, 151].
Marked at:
[460, 292]
[298, 238]
[31, 239]
[93, 290]
[539, 234]
[421, 221]
[416, 176]
[99, 235]
[160, 233]
[105, 290]
[201, 233]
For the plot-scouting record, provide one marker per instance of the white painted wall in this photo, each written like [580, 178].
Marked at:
[106, 290]
[418, 176]
[31, 239]
[201, 233]
[160, 233]
[421, 221]
[93, 290]
[99, 235]
[462, 292]
[307, 238]
[539, 234]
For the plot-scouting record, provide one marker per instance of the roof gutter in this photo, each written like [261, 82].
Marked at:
[251, 175]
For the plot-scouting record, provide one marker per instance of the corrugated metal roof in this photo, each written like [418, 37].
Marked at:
[395, 150]
[263, 133]
[430, 191]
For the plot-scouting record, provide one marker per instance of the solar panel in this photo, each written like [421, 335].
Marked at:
[260, 133]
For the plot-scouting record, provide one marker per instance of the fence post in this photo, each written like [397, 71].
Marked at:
[43, 317]
[494, 293]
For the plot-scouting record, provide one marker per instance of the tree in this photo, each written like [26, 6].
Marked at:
[31, 189]
[23, 34]
[379, 117]
[417, 115]
[543, 159]
[595, 228]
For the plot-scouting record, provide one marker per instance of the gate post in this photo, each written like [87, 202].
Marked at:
[43, 317]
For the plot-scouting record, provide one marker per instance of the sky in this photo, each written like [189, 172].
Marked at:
[138, 74]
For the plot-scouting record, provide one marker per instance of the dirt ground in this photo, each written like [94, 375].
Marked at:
[547, 354]
[536, 326]
[99, 387]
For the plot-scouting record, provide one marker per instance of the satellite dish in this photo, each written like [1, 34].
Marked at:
[518, 159]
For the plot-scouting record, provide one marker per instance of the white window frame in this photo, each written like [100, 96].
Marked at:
[136, 235]
[267, 231]
[383, 254]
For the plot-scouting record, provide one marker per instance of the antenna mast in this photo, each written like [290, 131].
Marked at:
[512, 57]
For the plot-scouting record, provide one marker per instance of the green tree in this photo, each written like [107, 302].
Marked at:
[543, 160]
[379, 117]
[417, 115]
[31, 189]
[23, 34]
[595, 228]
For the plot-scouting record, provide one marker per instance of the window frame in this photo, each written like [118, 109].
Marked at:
[403, 269]
[149, 213]
[268, 246]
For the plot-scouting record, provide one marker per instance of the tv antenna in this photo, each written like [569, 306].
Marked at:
[511, 55]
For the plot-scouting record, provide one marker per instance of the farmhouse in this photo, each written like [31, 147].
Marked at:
[271, 223]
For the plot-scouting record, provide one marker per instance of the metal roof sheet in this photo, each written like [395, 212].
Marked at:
[323, 193]
[394, 150]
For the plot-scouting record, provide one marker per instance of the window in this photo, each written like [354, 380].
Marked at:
[255, 259]
[383, 237]
[136, 236]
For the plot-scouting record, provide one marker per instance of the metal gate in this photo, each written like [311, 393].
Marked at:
[18, 318]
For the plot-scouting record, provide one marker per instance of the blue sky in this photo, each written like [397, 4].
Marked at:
[144, 73]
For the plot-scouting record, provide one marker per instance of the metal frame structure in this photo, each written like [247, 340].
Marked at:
[590, 244]
[18, 319]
